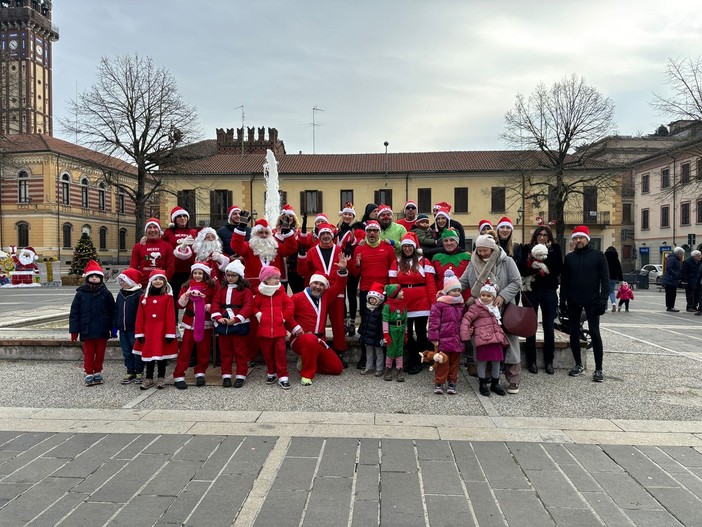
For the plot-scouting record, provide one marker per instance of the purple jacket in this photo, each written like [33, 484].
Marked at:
[486, 329]
[443, 326]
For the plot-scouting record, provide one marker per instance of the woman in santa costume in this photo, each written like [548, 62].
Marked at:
[196, 299]
[180, 236]
[232, 305]
[416, 276]
[155, 329]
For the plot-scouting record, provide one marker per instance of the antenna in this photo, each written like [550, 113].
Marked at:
[242, 128]
[76, 107]
[314, 125]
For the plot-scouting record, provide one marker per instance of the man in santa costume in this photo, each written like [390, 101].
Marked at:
[323, 259]
[153, 253]
[311, 306]
[410, 213]
[264, 248]
[25, 268]
[206, 249]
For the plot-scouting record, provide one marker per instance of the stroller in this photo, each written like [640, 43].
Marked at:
[562, 323]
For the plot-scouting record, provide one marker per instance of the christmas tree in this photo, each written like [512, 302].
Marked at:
[83, 252]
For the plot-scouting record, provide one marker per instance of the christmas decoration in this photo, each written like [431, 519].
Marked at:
[83, 252]
[25, 272]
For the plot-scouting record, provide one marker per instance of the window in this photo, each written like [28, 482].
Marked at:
[23, 187]
[685, 173]
[86, 229]
[67, 229]
[699, 168]
[84, 193]
[626, 213]
[123, 239]
[220, 201]
[589, 204]
[383, 197]
[345, 196]
[665, 216]
[186, 199]
[103, 238]
[311, 202]
[685, 213]
[121, 202]
[424, 203]
[698, 205]
[665, 178]
[283, 197]
[498, 199]
[644, 220]
[460, 199]
[66, 189]
[645, 184]
[22, 234]
[101, 196]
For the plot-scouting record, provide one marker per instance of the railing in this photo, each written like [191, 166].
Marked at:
[587, 218]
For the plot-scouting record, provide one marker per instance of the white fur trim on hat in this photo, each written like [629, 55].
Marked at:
[235, 266]
[320, 278]
[203, 267]
[505, 222]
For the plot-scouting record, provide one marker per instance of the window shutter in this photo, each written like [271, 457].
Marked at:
[303, 205]
[319, 201]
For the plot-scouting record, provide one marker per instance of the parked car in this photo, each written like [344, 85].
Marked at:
[654, 271]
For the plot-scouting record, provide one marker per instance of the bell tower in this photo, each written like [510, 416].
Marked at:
[26, 36]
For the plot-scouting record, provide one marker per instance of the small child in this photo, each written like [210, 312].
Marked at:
[273, 309]
[196, 299]
[624, 294]
[92, 312]
[155, 329]
[128, 300]
[425, 235]
[394, 330]
[231, 308]
[444, 321]
[482, 321]
[371, 330]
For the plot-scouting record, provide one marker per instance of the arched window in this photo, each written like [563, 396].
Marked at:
[103, 238]
[22, 234]
[67, 229]
[84, 193]
[123, 239]
[66, 189]
[85, 229]
[23, 187]
[121, 200]
[101, 196]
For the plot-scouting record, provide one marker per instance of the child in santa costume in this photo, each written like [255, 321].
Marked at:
[482, 321]
[274, 311]
[92, 311]
[371, 331]
[128, 300]
[196, 299]
[394, 330]
[444, 322]
[232, 307]
[155, 329]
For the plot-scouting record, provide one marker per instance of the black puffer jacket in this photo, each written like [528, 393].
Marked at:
[613, 264]
[92, 312]
[585, 277]
[371, 329]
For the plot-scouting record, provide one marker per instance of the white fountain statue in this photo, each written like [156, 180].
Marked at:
[270, 175]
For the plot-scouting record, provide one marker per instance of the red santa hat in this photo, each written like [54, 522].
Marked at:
[30, 249]
[442, 205]
[372, 224]
[443, 211]
[259, 226]
[384, 208]
[321, 217]
[178, 211]
[268, 271]
[376, 291]
[482, 224]
[325, 227]
[92, 268]
[288, 210]
[348, 207]
[152, 221]
[130, 276]
[155, 274]
[505, 222]
[410, 239]
[320, 278]
[235, 266]
[581, 230]
[489, 287]
[203, 267]
[411, 203]
[232, 210]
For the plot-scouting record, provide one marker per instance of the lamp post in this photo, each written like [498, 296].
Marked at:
[314, 125]
[254, 215]
[520, 219]
[386, 162]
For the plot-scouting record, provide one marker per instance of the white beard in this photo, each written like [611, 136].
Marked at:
[266, 248]
[203, 249]
[25, 258]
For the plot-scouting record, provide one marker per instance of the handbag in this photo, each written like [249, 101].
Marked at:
[520, 320]
[236, 329]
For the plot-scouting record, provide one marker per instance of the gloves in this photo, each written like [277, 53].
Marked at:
[113, 333]
[169, 340]
[244, 216]
[303, 227]
[301, 251]
[141, 339]
[387, 339]
[348, 249]
[601, 309]
[74, 337]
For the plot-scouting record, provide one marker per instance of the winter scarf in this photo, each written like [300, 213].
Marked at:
[484, 271]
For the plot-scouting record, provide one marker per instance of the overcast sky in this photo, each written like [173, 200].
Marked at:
[424, 75]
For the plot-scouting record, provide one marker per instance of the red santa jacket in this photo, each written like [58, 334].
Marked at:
[419, 287]
[310, 316]
[189, 309]
[372, 264]
[155, 323]
[313, 263]
[231, 302]
[173, 235]
[287, 245]
[276, 314]
[154, 254]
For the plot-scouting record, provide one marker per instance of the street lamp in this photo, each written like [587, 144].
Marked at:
[386, 162]
[520, 219]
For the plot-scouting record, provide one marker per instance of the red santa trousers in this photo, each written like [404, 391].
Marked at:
[202, 350]
[336, 317]
[273, 350]
[93, 355]
[317, 357]
[234, 348]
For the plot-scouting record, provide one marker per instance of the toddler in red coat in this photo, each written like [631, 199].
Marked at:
[624, 294]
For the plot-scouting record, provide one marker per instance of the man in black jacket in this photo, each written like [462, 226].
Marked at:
[585, 285]
[689, 276]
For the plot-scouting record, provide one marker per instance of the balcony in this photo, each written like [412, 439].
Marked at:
[600, 218]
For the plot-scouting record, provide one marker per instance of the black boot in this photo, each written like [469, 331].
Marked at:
[484, 390]
[496, 388]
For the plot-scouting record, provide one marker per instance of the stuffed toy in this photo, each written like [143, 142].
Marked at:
[536, 259]
[436, 356]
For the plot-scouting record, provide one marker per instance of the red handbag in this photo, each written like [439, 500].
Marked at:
[520, 320]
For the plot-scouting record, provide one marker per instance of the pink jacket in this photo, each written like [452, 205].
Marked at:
[625, 293]
[486, 328]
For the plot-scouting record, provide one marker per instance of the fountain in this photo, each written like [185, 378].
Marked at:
[270, 175]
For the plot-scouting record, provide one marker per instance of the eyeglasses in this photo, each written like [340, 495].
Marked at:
[412, 207]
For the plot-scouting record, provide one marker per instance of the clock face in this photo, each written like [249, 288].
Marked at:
[39, 49]
[13, 45]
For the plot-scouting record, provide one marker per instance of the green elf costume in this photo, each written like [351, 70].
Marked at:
[394, 330]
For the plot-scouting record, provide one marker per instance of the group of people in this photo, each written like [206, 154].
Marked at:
[413, 281]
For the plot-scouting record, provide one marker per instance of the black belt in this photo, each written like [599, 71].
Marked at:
[410, 286]
[232, 306]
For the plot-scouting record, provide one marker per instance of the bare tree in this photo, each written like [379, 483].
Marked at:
[133, 112]
[684, 77]
[561, 125]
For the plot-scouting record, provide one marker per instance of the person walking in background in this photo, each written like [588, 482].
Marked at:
[585, 286]
[128, 300]
[615, 273]
[624, 294]
[671, 277]
[689, 274]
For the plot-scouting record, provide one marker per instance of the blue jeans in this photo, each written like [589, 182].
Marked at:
[612, 287]
[132, 362]
[547, 300]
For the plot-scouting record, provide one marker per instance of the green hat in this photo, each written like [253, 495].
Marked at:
[391, 290]
[449, 233]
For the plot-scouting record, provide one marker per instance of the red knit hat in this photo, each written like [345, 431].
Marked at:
[376, 290]
[93, 268]
[321, 216]
[325, 227]
[131, 276]
[268, 271]
[411, 203]
[384, 208]
[581, 230]
[483, 224]
[505, 222]
[442, 205]
[372, 224]
[288, 210]
[152, 221]
[154, 274]
[443, 211]
[233, 209]
[410, 239]
[178, 211]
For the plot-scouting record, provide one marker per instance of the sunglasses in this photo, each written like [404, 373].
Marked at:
[412, 207]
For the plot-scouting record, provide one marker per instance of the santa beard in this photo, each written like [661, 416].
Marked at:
[25, 258]
[266, 248]
[203, 249]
